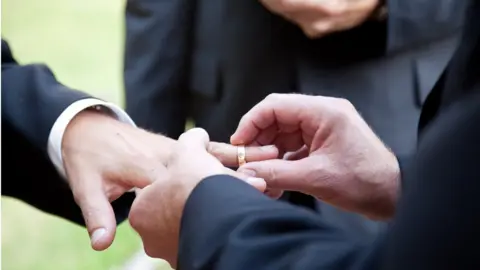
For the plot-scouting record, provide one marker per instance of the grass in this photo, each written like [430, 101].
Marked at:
[34, 240]
[82, 42]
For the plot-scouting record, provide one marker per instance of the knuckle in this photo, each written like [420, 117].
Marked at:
[199, 132]
[212, 149]
[274, 193]
[174, 156]
[216, 150]
[244, 119]
[276, 100]
[335, 10]
[320, 28]
[272, 175]
[289, 4]
[344, 105]
[273, 97]
[342, 109]
[310, 33]
[150, 251]
[135, 218]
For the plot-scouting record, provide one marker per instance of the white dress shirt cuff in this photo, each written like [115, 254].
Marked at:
[56, 133]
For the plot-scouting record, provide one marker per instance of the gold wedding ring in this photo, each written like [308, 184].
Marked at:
[241, 155]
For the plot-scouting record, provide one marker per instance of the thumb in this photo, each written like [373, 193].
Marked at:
[97, 213]
[256, 182]
[281, 174]
[195, 137]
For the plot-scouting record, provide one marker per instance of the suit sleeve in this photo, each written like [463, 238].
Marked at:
[438, 211]
[32, 100]
[229, 225]
[412, 23]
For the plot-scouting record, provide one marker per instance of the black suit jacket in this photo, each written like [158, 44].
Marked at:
[213, 60]
[32, 100]
[228, 225]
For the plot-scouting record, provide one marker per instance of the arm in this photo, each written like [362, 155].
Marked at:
[439, 208]
[435, 227]
[32, 99]
[411, 23]
[229, 225]
[438, 212]
[36, 110]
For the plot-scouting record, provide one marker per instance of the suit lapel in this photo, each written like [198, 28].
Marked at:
[462, 72]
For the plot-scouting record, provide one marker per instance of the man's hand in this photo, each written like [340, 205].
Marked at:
[335, 156]
[318, 18]
[157, 210]
[105, 158]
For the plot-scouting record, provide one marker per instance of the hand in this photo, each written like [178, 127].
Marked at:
[104, 159]
[158, 208]
[321, 17]
[227, 154]
[336, 156]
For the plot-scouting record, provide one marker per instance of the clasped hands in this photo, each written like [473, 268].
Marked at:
[328, 152]
[104, 158]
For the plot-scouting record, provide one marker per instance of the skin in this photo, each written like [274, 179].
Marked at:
[105, 158]
[318, 18]
[333, 153]
[157, 210]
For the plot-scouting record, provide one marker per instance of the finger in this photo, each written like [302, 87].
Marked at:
[139, 178]
[328, 8]
[256, 182]
[290, 142]
[195, 137]
[97, 212]
[316, 28]
[297, 155]
[318, 8]
[259, 118]
[146, 178]
[140, 216]
[268, 135]
[228, 156]
[247, 129]
[282, 174]
[273, 193]
[283, 109]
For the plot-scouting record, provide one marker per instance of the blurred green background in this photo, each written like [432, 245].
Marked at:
[82, 42]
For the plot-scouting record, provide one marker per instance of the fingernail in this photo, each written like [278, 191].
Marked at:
[287, 155]
[247, 172]
[255, 181]
[233, 140]
[97, 235]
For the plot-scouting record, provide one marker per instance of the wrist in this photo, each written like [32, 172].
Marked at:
[387, 193]
[57, 132]
[392, 190]
[84, 121]
[93, 134]
[96, 121]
